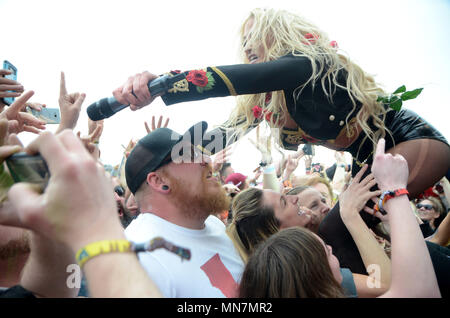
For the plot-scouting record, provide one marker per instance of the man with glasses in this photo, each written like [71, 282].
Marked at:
[177, 195]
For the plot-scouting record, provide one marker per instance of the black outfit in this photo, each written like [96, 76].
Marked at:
[319, 120]
[426, 229]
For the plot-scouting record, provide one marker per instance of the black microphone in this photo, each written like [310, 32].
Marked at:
[107, 107]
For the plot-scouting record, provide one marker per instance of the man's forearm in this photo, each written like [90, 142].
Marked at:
[115, 274]
[118, 275]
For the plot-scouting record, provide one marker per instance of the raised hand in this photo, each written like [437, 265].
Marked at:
[391, 172]
[291, 164]
[264, 146]
[131, 144]
[19, 121]
[355, 197]
[154, 127]
[97, 127]
[90, 142]
[7, 85]
[69, 105]
[77, 200]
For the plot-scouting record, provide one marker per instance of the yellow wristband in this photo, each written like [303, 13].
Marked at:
[102, 247]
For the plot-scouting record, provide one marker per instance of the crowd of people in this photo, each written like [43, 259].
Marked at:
[177, 220]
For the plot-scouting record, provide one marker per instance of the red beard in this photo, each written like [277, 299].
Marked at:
[198, 203]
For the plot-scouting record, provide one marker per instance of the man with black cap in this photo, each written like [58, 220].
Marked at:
[171, 178]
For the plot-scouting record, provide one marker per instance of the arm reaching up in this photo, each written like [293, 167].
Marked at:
[352, 201]
[412, 270]
[69, 105]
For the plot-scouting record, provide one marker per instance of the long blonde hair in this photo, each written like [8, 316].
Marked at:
[280, 33]
[252, 223]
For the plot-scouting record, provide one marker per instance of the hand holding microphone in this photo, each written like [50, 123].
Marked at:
[140, 90]
[135, 91]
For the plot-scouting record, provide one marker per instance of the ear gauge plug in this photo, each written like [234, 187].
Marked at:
[165, 187]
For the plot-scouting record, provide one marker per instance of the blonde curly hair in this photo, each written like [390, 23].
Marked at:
[280, 33]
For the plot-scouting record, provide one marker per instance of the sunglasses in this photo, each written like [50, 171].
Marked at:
[119, 190]
[425, 206]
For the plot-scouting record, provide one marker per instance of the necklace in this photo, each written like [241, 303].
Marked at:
[361, 164]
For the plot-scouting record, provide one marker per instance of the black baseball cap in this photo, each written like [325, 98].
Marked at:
[151, 152]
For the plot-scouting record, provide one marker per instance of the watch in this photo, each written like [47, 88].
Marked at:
[385, 196]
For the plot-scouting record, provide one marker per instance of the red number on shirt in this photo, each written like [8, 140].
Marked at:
[220, 277]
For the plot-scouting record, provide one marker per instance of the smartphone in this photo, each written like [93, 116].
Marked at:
[48, 115]
[308, 150]
[8, 66]
[28, 168]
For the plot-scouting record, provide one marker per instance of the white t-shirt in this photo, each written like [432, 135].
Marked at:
[215, 267]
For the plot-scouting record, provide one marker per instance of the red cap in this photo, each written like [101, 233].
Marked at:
[236, 178]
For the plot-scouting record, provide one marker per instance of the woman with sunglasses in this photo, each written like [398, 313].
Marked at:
[431, 212]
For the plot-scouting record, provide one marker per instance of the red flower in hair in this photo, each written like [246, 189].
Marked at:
[334, 44]
[257, 111]
[198, 77]
[268, 116]
[311, 38]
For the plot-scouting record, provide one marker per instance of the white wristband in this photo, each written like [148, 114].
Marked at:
[269, 169]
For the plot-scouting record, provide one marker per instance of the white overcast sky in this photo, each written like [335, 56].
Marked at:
[98, 44]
